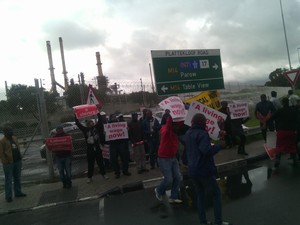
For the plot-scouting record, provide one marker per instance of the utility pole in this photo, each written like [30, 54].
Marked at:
[286, 42]
[44, 124]
[151, 78]
[143, 95]
[81, 89]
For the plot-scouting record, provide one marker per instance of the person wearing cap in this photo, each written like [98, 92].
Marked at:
[136, 137]
[63, 160]
[94, 136]
[11, 159]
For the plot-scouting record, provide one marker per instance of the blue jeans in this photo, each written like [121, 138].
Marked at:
[170, 170]
[202, 185]
[64, 166]
[12, 171]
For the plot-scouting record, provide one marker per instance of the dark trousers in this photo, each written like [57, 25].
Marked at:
[92, 155]
[116, 150]
[203, 185]
[153, 144]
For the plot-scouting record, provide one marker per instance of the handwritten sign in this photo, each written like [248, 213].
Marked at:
[238, 110]
[59, 143]
[212, 118]
[83, 111]
[115, 131]
[176, 107]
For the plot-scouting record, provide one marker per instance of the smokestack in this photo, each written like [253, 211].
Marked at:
[51, 68]
[63, 64]
[99, 65]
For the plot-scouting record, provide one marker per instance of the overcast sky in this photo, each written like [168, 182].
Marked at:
[249, 34]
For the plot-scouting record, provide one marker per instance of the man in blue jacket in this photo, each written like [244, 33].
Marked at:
[201, 167]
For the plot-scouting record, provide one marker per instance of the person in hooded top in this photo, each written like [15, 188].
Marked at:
[94, 136]
[201, 167]
[11, 159]
[167, 161]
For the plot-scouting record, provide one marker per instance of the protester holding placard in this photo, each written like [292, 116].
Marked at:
[167, 161]
[94, 136]
[117, 136]
[202, 168]
[63, 160]
[151, 129]
[136, 137]
[227, 124]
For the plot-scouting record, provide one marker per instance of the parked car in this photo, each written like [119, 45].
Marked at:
[79, 145]
[67, 126]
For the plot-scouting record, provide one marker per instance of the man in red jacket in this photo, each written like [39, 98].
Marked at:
[167, 161]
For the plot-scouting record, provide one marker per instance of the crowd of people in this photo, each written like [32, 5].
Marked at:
[158, 142]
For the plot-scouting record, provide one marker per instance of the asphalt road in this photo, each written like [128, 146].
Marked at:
[273, 199]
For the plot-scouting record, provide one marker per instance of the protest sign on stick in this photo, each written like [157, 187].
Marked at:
[83, 111]
[59, 143]
[176, 107]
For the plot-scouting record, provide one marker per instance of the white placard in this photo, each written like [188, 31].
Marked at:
[175, 105]
[212, 117]
[115, 131]
[238, 110]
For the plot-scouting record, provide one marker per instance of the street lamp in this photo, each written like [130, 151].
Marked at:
[298, 54]
[286, 42]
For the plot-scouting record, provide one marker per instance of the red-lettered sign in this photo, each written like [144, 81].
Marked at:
[59, 143]
[115, 131]
[176, 107]
[83, 111]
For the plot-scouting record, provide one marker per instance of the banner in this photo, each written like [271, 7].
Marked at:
[176, 107]
[212, 118]
[238, 110]
[209, 98]
[83, 111]
[115, 131]
[59, 143]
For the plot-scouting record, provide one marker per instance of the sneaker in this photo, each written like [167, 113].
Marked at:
[176, 201]
[9, 200]
[117, 176]
[157, 195]
[105, 177]
[224, 223]
[89, 180]
[145, 170]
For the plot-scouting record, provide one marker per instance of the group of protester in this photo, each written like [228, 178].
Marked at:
[284, 118]
[160, 142]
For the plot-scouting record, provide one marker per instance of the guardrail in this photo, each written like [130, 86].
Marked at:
[253, 131]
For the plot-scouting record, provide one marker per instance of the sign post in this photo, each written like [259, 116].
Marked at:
[186, 71]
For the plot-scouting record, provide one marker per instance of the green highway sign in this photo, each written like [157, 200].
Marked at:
[186, 71]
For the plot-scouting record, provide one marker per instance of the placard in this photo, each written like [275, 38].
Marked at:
[115, 131]
[59, 143]
[212, 118]
[176, 107]
[83, 111]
